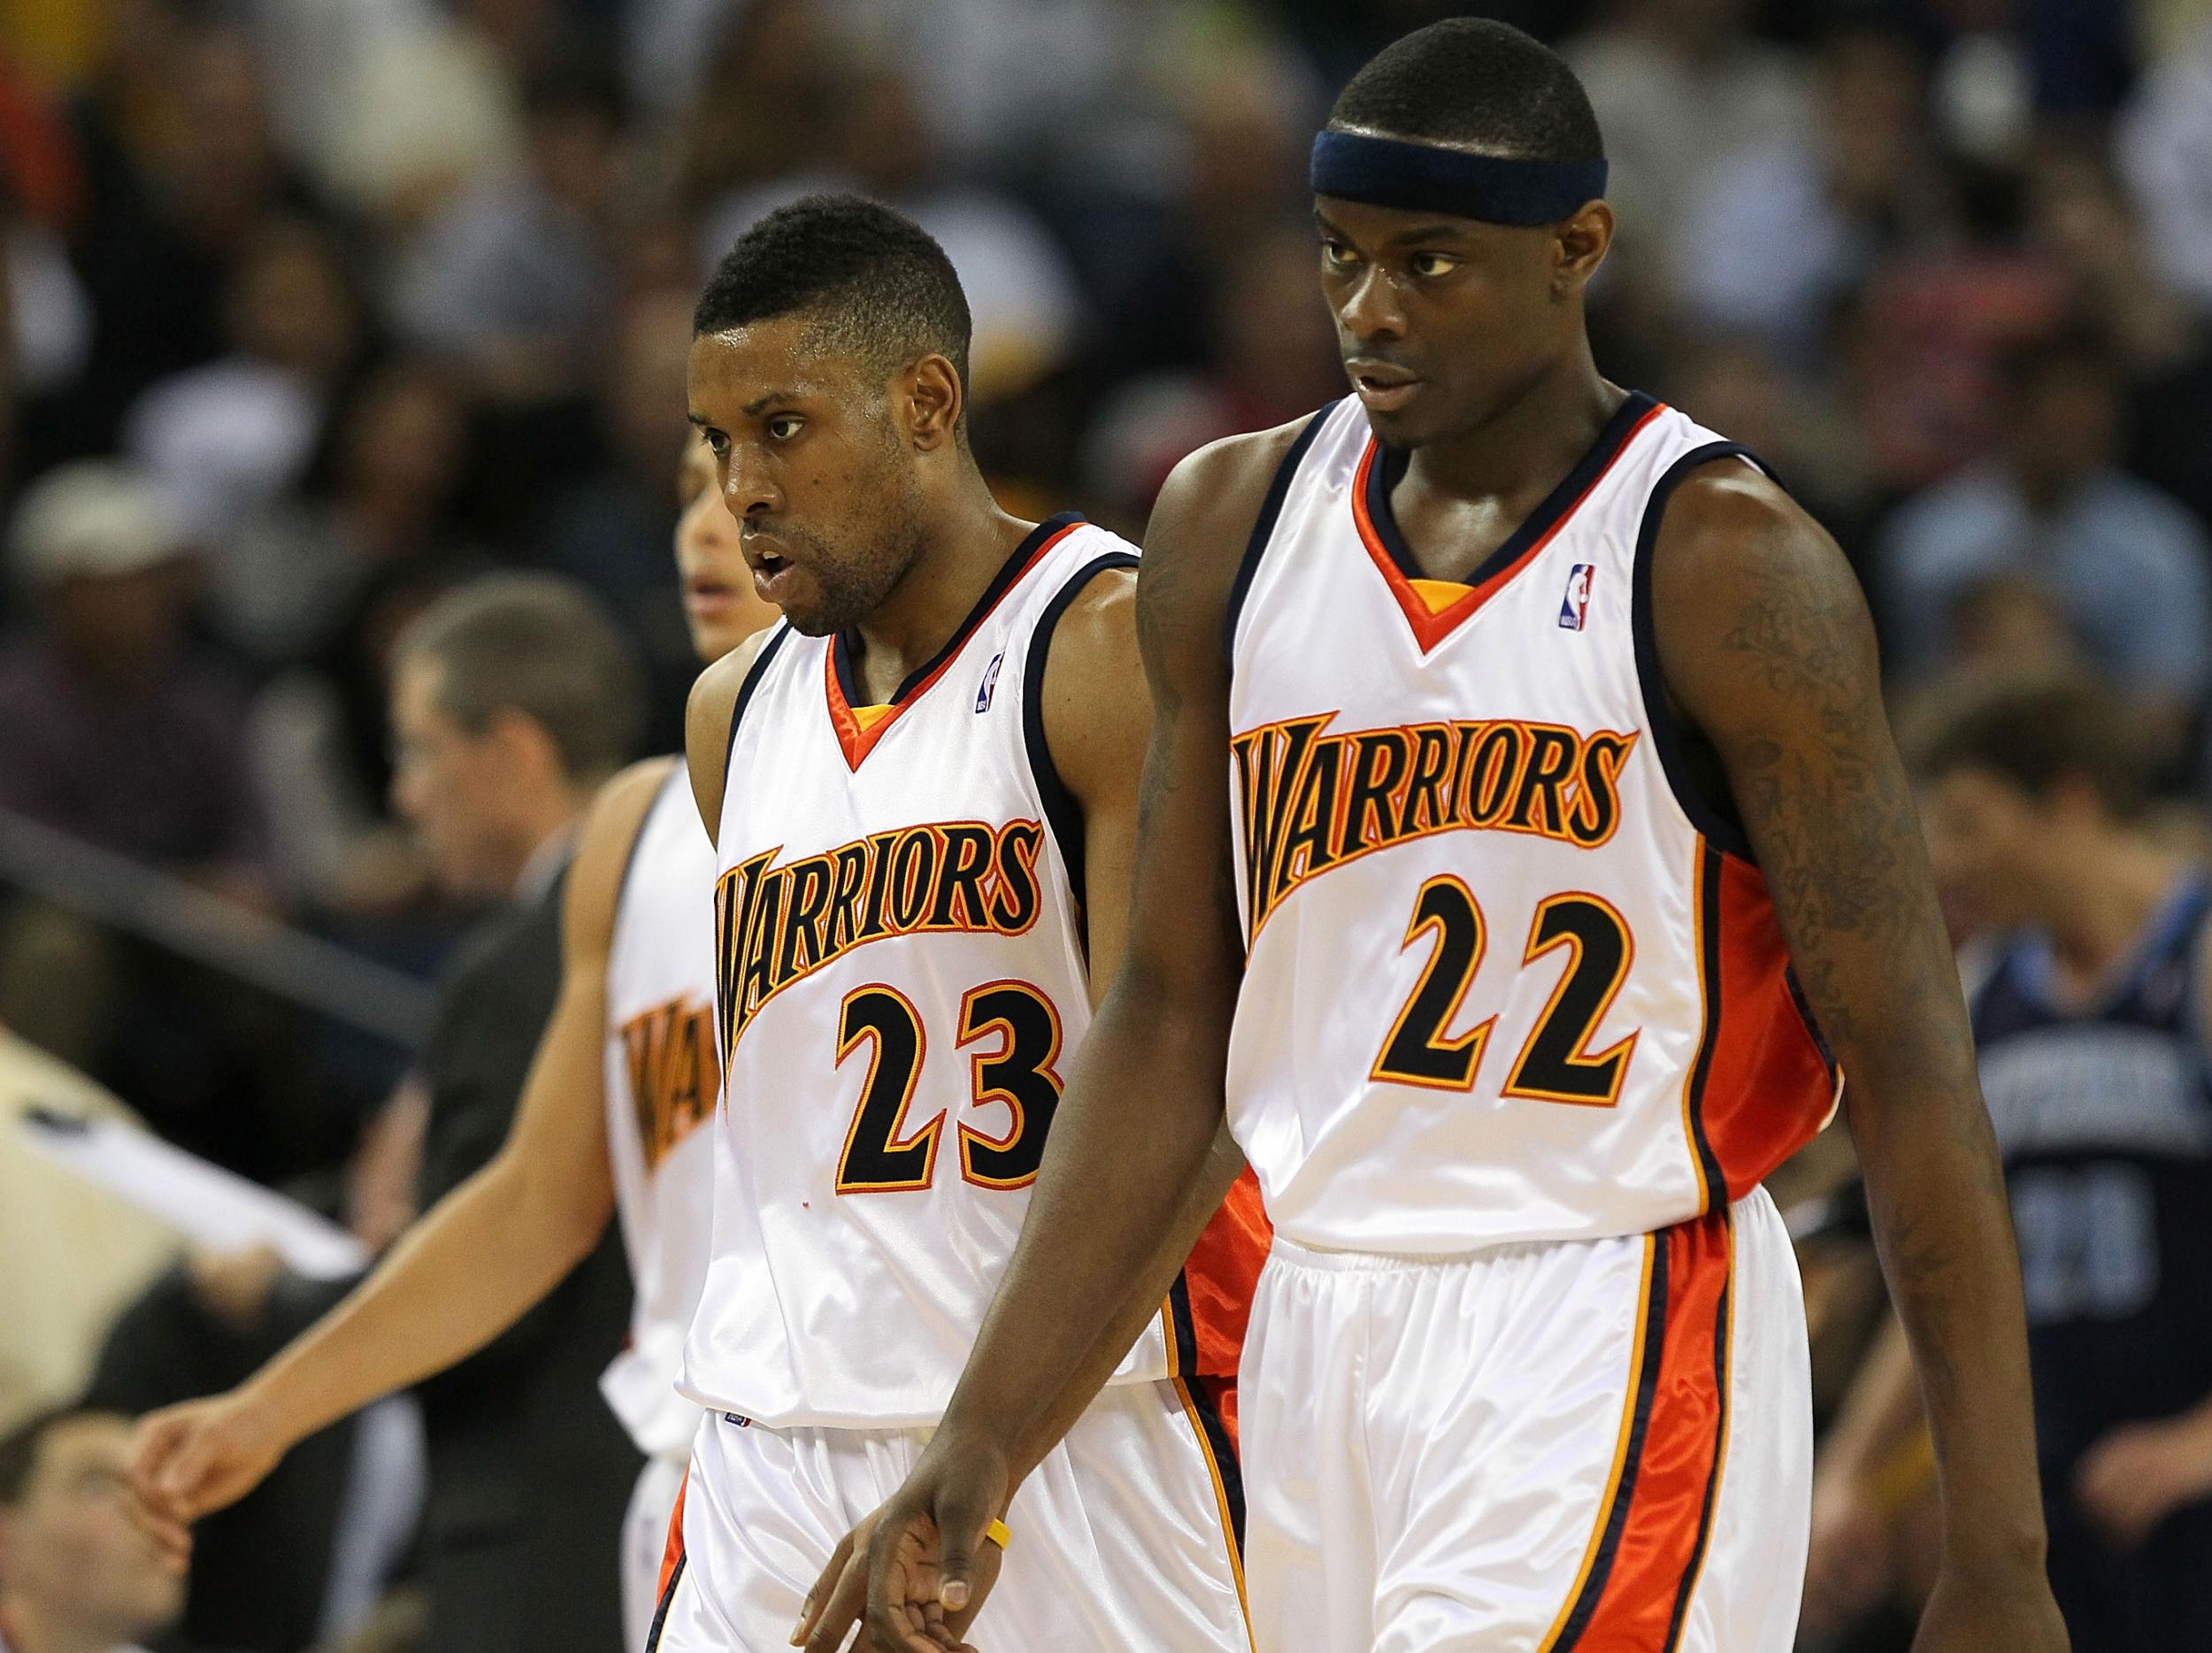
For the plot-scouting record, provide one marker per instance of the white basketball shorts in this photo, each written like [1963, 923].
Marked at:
[645, 1545]
[1123, 1539]
[1600, 1445]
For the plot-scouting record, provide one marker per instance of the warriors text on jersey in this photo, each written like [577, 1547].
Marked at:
[1510, 976]
[662, 1078]
[902, 978]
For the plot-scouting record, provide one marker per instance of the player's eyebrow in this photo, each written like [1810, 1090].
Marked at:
[757, 404]
[1440, 229]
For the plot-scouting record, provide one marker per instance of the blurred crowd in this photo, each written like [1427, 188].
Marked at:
[315, 311]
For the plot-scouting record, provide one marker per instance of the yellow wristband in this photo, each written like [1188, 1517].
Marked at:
[998, 1534]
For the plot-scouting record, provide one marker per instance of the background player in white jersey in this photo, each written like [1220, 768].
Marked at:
[625, 1071]
[929, 857]
[1499, 651]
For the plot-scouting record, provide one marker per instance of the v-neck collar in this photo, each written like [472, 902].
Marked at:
[1435, 608]
[859, 726]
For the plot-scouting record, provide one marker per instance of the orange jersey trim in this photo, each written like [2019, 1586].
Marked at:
[1430, 609]
[858, 729]
[1648, 1547]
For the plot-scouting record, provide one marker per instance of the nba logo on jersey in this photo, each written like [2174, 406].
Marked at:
[1575, 609]
[989, 686]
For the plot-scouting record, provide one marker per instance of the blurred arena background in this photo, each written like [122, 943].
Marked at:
[315, 309]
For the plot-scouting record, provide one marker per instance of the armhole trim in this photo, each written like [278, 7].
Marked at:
[677, 775]
[1263, 528]
[1063, 815]
[1667, 736]
[745, 692]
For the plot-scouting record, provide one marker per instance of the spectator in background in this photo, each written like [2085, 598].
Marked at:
[2092, 1031]
[2129, 563]
[1027, 304]
[2078, 217]
[610, 527]
[1272, 356]
[76, 1575]
[182, 171]
[511, 701]
[322, 586]
[1772, 234]
[512, 279]
[113, 728]
[226, 438]
[1679, 85]
[2164, 143]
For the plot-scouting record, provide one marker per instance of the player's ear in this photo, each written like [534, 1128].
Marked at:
[934, 399]
[1579, 248]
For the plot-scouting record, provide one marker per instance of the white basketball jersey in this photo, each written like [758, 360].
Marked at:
[902, 978]
[662, 1078]
[1509, 977]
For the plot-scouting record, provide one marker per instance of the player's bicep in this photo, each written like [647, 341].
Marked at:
[1097, 717]
[556, 1148]
[1765, 642]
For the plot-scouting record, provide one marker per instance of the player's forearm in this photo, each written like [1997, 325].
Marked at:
[470, 1269]
[1221, 1167]
[1937, 1197]
[1131, 1139]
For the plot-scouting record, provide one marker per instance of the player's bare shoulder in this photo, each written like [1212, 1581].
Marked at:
[1752, 599]
[610, 829]
[707, 721]
[1196, 540]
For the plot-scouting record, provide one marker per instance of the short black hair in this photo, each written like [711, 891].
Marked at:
[2035, 730]
[881, 288]
[1477, 82]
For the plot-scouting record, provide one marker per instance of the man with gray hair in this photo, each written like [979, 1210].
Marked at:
[512, 699]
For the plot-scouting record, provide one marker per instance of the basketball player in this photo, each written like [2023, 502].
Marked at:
[924, 871]
[625, 1072]
[1561, 824]
[2092, 1030]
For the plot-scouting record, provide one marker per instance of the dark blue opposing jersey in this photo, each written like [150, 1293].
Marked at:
[2103, 1115]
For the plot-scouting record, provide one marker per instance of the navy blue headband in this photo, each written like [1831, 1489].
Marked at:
[1425, 178]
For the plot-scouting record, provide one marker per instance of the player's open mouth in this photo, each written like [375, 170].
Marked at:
[771, 571]
[1382, 386]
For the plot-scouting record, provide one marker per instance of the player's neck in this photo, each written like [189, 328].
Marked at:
[2105, 917]
[1518, 454]
[962, 552]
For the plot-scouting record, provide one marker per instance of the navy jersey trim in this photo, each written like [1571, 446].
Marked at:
[667, 1601]
[1390, 464]
[1720, 1328]
[1063, 815]
[678, 773]
[1015, 566]
[1585, 1605]
[1223, 1452]
[1717, 1190]
[1713, 818]
[1263, 527]
[746, 691]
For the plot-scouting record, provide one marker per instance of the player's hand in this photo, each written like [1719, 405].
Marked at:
[929, 1564]
[1846, 1563]
[1991, 1608]
[840, 1596]
[2141, 1474]
[200, 1456]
